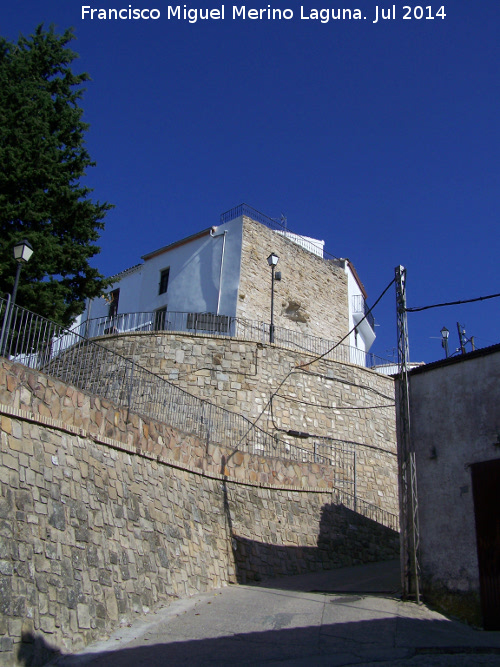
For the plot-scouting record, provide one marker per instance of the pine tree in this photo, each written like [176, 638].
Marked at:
[42, 161]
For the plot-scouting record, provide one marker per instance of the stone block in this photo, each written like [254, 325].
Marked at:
[83, 614]
[47, 624]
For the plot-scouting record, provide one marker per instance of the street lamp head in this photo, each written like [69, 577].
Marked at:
[445, 333]
[23, 251]
[272, 260]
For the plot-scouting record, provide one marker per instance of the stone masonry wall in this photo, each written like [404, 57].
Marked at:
[97, 524]
[312, 295]
[337, 400]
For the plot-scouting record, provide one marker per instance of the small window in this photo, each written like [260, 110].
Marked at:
[164, 281]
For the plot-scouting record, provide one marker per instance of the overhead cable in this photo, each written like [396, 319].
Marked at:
[301, 401]
[451, 303]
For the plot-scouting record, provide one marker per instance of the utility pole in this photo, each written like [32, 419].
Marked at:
[406, 455]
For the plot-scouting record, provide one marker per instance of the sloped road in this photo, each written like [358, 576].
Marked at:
[347, 617]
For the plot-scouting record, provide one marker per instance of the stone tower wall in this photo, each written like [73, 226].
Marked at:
[311, 297]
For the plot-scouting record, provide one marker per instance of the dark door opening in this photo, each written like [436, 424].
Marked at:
[486, 489]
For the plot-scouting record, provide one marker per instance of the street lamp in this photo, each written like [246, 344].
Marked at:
[22, 254]
[444, 340]
[272, 260]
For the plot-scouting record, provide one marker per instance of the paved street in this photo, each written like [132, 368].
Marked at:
[351, 616]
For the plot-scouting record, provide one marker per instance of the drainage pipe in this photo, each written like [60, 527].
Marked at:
[214, 236]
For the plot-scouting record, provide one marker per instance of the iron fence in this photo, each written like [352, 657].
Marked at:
[224, 325]
[366, 509]
[64, 354]
[277, 226]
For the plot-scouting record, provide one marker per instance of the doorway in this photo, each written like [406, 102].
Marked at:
[486, 490]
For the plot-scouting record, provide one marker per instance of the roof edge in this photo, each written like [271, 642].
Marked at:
[176, 244]
[450, 361]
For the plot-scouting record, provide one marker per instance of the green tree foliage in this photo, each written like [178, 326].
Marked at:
[42, 161]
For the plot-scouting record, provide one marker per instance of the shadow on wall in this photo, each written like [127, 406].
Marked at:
[34, 651]
[393, 638]
[345, 538]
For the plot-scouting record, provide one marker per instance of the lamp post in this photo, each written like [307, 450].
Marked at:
[22, 254]
[272, 260]
[444, 340]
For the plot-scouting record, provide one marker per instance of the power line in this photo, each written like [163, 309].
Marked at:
[349, 383]
[451, 303]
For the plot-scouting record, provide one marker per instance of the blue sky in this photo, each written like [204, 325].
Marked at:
[380, 138]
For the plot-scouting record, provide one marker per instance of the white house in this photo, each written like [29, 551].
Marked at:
[219, 277]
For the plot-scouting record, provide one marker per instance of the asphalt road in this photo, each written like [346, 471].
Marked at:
[352, 616]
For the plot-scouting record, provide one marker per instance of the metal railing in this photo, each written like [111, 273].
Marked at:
[366, 509]
[43, 345]
[359, 306]
[278, 226]
[224, 325]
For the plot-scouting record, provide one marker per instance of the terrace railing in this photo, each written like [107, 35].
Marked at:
[224, 325]
[43, 345]
[359, 306]
[279, 226]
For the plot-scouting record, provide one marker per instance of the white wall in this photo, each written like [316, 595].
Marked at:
[195, 276]
[366, 335]
[455, 422]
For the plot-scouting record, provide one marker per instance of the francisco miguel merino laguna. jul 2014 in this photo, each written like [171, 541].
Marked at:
[194, 14]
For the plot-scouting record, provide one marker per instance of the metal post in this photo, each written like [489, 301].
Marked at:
[406, 455]
[271, 328]
[9, 311]
[16, 283]
[131, 386]
[355, 482]
[461, 337]
[3, 336]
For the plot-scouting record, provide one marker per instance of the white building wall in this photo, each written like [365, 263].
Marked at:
[198, 269]
[363, 339]
[455, 423]
[129, 301]
[195, 274]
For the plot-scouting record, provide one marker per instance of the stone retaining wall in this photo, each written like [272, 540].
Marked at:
[326, 398]
[97, 523]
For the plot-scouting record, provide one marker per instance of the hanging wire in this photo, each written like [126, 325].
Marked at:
[351, 331]
[451, 303]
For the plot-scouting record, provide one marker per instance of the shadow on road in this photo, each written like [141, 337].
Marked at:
[387, 639]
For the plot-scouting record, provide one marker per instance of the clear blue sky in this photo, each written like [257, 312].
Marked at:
[380, 138]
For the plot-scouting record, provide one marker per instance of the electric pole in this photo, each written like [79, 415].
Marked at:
[406, 454]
